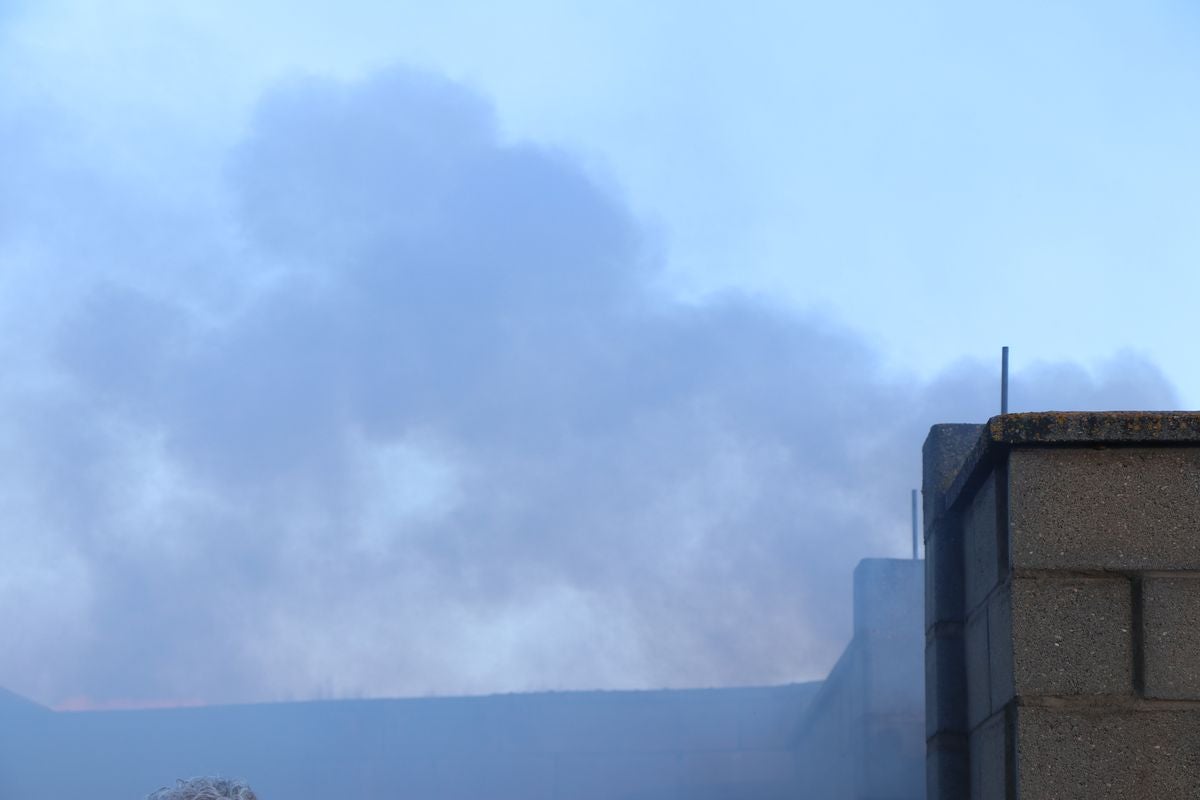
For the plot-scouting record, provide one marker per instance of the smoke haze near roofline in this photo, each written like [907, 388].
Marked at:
[394, 409]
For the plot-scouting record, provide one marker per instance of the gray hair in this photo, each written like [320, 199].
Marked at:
[205, 789]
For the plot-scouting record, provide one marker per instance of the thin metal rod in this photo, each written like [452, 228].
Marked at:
[1004, 380]
[914, 523]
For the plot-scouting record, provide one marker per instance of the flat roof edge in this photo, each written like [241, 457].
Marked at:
[1067, 429]
[1095, 427]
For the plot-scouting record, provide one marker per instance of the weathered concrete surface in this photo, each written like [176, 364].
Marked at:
[1069, 573]
[944, 554]
[1095, 427]
[946, 767]
[1171, 637]
[1072, 636]
[1114, 508]
[1002, 434]
[1102, 753]
[979, 678]
[945, 685]
[989, 760]
[1000, 649]
[945, 453]
[981, 546]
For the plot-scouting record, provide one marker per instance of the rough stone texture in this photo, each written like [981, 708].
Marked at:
[1093, 755]
[980, 555]
[946, 769]
[1057, 429]
[979, 680]
[945, 685]
[988, 761]
[1094, 527]
[1116, 508]
[1000, 648]
[944, 454]
[1072, 636]
[1171, 637]
[944, 575]
[1095, 427]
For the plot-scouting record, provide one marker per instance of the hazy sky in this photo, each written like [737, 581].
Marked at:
[1030, 167]
[396, 348]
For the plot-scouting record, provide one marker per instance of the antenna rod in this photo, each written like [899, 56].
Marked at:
[1004, 380]
[914, 521]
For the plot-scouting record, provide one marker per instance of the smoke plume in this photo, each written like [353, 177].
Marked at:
[386, 404]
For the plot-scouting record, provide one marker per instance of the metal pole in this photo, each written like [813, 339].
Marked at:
[914, 523]
[1004, 380]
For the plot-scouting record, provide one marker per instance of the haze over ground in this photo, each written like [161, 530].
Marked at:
[400, 350]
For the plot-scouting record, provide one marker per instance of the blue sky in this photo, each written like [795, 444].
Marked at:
[457, 348]
[942, 180]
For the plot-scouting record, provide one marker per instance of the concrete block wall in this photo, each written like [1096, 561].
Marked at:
[1063, 607]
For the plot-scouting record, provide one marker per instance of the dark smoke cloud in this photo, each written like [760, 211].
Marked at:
[438, 434]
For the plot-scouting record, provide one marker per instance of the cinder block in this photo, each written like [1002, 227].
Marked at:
[979, 677]
[980, 554]
[945, 684]
[947, 774]
[1072, 636]
[945, 450]
[1000, 648]
[1171, 638]
[988, 760]
[1107, 754]
[1105, 508]
[944, 574]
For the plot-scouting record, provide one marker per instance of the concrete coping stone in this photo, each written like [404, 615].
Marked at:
[1065, 429]
[1095, 427]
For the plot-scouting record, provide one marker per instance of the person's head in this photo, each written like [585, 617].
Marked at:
[205, 789]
